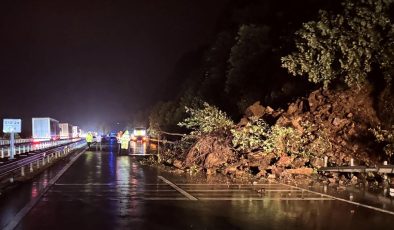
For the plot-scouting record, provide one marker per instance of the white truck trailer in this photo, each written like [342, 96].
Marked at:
[76, 132]
[45, 128]
[66, 130]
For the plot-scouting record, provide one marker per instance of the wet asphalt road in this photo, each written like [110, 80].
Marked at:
[104, 191]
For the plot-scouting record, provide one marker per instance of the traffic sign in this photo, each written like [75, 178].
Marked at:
[12, 125]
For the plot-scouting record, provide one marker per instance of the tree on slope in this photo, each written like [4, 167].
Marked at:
[345, 47]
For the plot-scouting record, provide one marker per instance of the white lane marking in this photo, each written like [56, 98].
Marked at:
[183, 192]
[112, 184]
[165, 198]
[250, 185]
[25, 210]
[155, 190]
[262, 199]
[282, 190]
[218, 190]
[343, 200]
[109, 191]
[87, 184]
[140, 184]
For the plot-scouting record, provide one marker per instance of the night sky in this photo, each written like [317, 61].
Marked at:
[86, 62]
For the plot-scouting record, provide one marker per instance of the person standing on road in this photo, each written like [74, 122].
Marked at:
[99, 138]
[125, 142]
[89, 139]
[119, 139]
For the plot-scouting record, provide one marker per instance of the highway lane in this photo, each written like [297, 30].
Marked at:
[104, 191]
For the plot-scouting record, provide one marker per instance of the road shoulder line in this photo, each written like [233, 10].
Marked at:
[26, 209]
[343, 200]
[183, 192]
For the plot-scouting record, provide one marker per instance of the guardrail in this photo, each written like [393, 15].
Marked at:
[33, 146]
[27, 140]
[17, 141]
[352, 168]
[389, 169]
[34, 162]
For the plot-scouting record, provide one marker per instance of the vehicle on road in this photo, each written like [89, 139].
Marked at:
[66, 131]
[139, 134]
[76, 131]
[45, 128]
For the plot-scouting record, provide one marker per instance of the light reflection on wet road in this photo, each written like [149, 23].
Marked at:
[105, 191]
[138, 147]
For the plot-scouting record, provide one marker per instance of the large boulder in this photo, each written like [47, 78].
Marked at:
[299, 171]
[284, 161]
[255, 110]
[259, 159]
[210, 152]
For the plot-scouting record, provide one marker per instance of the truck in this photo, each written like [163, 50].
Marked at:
[139, 134]
[45, 128]
[66, 130]
[76, 132]
[82, 133]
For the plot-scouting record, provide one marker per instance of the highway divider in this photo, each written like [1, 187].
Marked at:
[27, 147]
[28, 165]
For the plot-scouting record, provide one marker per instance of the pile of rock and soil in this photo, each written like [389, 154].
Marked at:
[333, 124]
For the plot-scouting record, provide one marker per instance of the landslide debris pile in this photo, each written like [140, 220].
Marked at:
[279, 143]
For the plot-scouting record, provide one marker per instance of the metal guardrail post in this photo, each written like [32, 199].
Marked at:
[31, 167]
[38, 163]
[43, 161]
[2, 153]
[23, 171]
[351, 164]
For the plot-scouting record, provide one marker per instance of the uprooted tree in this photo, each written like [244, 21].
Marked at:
[206, 120]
